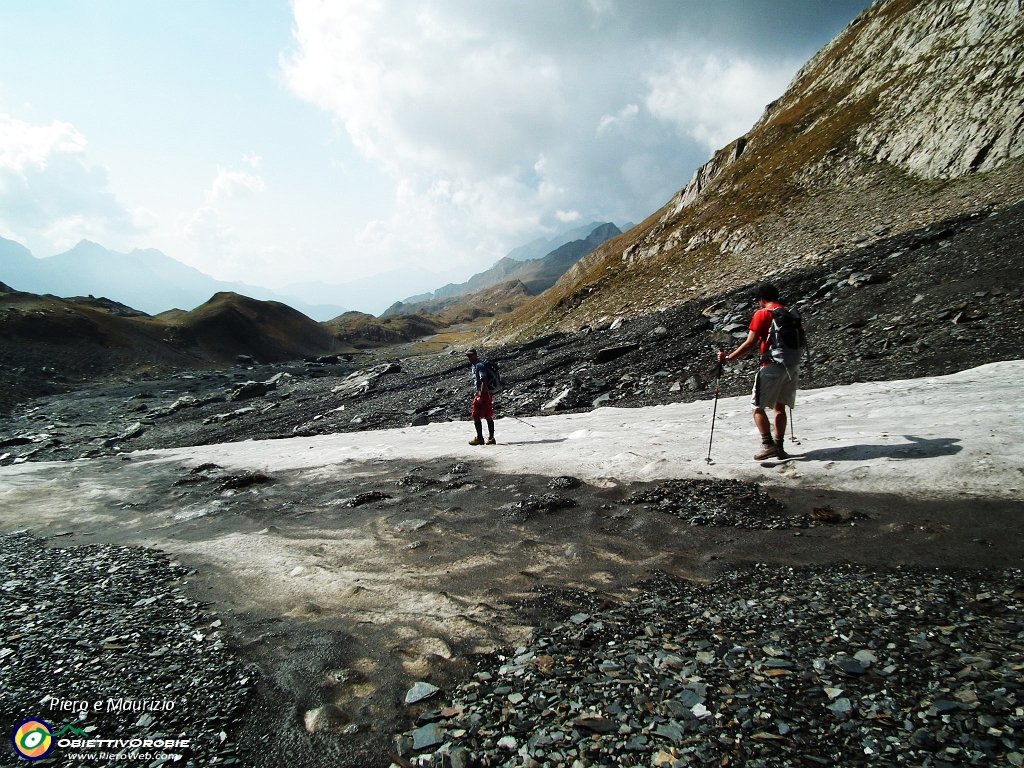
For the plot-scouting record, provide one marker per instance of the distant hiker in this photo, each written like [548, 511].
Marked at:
[483, 404]
[779, 333]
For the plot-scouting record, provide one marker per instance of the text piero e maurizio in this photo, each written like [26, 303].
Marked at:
[57, 704]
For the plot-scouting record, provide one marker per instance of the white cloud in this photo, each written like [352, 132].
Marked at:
[253, 159]
[450, 109]
[229, 184]
[49, 197]
[221, 231]
[497, 120]
[23, 145]
[624, 114]
[567, 216]
[714, 101]
[423, 85]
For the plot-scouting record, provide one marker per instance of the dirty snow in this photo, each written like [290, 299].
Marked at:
[935, 437]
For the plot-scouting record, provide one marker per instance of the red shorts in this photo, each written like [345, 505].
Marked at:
[483, 406]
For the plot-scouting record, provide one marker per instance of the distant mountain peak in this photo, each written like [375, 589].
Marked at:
[537, 275]
[146, 279]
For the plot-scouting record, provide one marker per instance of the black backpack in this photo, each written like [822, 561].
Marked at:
[786, 339]
[493, 373]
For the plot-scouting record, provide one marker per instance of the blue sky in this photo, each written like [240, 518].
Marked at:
[277, 142]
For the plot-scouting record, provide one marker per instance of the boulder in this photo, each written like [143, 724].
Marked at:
[325, 718]
[560, 401]
[251, 389]
[363, 381]
[607, 354]
[133, 431]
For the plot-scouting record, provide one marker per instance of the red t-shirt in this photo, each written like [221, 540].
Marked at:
[761, 324]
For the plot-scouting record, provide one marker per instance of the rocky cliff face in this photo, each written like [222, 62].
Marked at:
[914, 113]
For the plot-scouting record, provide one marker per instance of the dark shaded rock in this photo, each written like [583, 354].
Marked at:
[365, 498]
[596, 724]
[251, 389]
[922, 739]
[850, 666]
[608, 354]
[428, 736]
[244, 480]
[12, 441]
[719, 503]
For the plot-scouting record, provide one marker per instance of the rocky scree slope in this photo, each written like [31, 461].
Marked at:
[913, 114]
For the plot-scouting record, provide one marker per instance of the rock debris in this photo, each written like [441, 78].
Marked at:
[763, 667]
[111, 625]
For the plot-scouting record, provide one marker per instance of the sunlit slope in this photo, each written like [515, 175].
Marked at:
[914, 113]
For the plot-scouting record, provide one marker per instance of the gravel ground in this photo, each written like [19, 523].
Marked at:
[719, 503]
[766, 666]
[110, 624]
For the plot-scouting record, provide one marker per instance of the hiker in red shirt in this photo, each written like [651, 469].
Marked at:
[776, 383]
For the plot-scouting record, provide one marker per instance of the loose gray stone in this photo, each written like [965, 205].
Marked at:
[428, 736]
[420, 691]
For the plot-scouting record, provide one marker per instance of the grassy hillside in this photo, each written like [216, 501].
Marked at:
[363, 331]
[49, 344]
[229, 324]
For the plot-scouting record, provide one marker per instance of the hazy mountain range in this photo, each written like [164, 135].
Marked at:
[153, 282]
[146, 280]
[536, 274]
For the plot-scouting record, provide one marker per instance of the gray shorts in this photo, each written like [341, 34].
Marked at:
[775, 384]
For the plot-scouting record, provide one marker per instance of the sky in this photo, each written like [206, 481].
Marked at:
[276, 142]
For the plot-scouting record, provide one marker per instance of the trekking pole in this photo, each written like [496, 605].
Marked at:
[792, 431]
[534, 426]
[714, 411]
[511, 416]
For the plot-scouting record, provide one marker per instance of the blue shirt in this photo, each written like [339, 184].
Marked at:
[479, 374]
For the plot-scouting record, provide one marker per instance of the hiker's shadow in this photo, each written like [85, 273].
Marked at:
[534, 442]
[917, 448]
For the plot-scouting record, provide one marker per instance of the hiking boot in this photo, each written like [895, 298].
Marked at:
[477, 441]
[780, 451]
[768, 451]
[491, 441]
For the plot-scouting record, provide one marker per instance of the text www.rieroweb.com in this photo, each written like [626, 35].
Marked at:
[88, 756]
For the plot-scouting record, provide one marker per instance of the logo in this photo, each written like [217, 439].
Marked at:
[32, 739]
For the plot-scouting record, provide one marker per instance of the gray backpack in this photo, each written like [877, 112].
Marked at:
[786, 339]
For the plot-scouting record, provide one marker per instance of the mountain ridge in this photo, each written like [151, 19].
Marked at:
[536, 275]
[897, 122]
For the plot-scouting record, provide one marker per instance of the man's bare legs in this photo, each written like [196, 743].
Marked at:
[764, 427]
